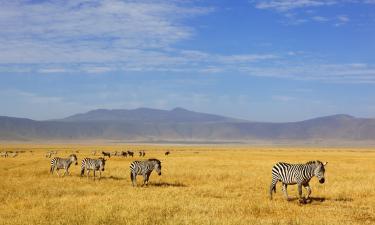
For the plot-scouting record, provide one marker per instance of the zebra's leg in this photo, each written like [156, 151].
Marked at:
[94, 174]
[308, 189]
[133, 177]
[100, 174]
[57, 172]
[301, 199]
[273, 187]
[88, 174]
[144, 179]
[147, 177]
[285, 191]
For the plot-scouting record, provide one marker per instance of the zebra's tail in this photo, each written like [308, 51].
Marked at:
[131, 176]
[273, 187]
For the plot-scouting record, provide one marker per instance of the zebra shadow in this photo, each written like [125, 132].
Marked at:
[310, 200]
[166, 184]
[112, 178]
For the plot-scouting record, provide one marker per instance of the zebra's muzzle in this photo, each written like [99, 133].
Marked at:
[322, 181]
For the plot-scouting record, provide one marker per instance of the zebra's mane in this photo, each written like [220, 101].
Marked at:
[314, 162]
[155, 160]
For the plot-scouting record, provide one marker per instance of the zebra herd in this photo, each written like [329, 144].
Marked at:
[287, 174]
[143, 168]
[116, 153]
[7, 154]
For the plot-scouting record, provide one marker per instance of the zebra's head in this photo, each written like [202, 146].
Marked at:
[157, 165]
[73, 158]
[102, 163]
[320, 170]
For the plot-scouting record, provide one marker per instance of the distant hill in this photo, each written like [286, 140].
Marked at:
[153, 125]
[177, 115]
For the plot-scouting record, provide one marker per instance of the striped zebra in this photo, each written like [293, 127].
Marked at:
[144, 168]
[92, 164]
[300, 174]
[63, 163]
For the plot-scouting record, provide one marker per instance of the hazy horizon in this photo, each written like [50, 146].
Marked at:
[274, 60]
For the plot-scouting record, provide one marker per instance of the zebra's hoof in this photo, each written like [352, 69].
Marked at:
[302, 201]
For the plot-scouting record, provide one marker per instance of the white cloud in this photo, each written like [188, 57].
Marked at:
[104, 36]
[320, 18]
[285, 5]
[334, 73]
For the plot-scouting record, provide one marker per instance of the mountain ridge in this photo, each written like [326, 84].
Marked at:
[146, 124]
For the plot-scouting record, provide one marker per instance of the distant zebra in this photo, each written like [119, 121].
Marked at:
[167, 153]
[92, 164]
[142, 153]
[130, 153]
[144, 168]
[12, 154]
[62, 163]
[300, 174]
[4, 154]
[106, 154]
[50, 153]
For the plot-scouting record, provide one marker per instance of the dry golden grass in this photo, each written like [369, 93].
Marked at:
[199, 185]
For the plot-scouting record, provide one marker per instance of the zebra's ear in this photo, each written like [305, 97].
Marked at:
[325, 163]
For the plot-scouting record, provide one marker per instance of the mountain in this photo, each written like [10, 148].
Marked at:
[177, 115]
[181, 125]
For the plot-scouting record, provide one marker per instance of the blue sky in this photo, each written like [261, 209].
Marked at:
[274, 60]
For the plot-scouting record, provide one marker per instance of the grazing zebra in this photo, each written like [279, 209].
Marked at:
[50, 153]
[63, 163]
[4, 154]
[92, 164]
[12, 154]
[299, 174]
[131, 154]
[167, 153]
[144, 168]
[106, 154]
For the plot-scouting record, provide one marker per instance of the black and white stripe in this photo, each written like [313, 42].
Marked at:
[300, 174]
[144, 168]
[62, 163]
[92, 164]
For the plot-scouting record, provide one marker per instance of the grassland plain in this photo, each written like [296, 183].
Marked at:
[199, 185]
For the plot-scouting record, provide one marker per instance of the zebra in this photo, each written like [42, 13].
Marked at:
[4, 154]
[300, 174]
[12, 154]
[106, 154]
[167, 153]
[92, 164]
[63, 163]
[50, 153]
[144, 168]
[130, 153]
